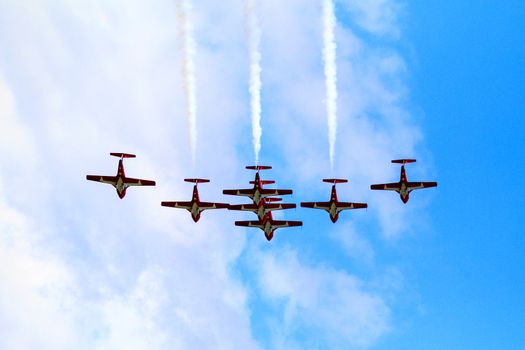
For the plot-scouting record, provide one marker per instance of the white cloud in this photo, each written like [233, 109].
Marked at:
[78, 80]
[320, 302]
[375, 16]
[354, 245]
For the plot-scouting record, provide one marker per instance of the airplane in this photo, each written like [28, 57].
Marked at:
[257, 193]
[334, 207]
[268, 225]
[263, 208]
[403, 187]
[120, 181]
[195, 206]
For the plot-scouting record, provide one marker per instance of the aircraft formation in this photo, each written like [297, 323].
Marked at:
[263, 200]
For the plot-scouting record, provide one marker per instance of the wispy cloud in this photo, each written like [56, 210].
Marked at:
[321, 302]
[81, 80]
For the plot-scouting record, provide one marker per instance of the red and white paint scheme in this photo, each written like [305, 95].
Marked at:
[263, 208]
[257, 193]
[263, 204]
[334, 207]
[120, 181]
[268, 225]
[195, 206]
[403, 187]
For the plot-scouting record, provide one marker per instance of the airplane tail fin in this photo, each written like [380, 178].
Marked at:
[403, 161]
[258, 167]
[335, 181]
[197, 181]
[122, 155]
[264, 182]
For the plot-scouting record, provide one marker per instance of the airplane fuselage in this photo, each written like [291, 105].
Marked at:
[257, 187]
[404, 192]
[334, 211]
[195, 208]
[120, 184]
[268, 230]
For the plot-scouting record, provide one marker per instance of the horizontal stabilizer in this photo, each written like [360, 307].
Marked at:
[264, 182]
[122, 155]
[197, 181]
[272, 199]
[258, 167]
[404, 161]
[335, 181]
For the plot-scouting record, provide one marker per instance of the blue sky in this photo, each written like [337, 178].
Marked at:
[440, 81]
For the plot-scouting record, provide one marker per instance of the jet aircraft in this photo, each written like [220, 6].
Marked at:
[263, 208]
[403, 187]
[195, 206]
[120, 181]
[268, 225]
[257, 193]
[263, 204]
[334, 207]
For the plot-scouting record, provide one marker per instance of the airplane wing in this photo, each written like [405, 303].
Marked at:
[251, 223]
[394, 186]
[249, 192]
[316, 205]
[275, 223]
[282, 223]
[104, 179]
[181, 205]
[274, 192]
[280, 206]
[348, 205]
[138, 182]
[418, 185]
[267, 206]
[244, 207]
[210, 205]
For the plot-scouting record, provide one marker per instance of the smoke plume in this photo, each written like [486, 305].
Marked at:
[330, 73]
[188, 70]
[254, 38]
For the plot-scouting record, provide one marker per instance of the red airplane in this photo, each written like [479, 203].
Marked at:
[121, 182]
[195, 206]
[268, 225]
[263, 204]
[257, 193]
[403, 187]
[263, 208]
[334, 207]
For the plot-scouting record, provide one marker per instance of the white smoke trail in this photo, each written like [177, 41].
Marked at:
[188, 70]
[254, 38]
[330, 72]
